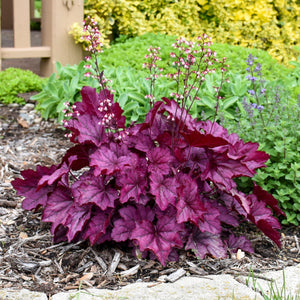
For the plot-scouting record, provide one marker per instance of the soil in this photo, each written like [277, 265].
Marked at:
[29, 259]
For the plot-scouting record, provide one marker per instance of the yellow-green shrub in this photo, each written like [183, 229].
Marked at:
[271, 25]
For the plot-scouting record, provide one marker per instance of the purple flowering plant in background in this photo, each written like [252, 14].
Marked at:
[158, 187]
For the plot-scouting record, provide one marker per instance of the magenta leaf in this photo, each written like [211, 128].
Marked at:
[86, 129]
[189, 205]
[248, 154]
[197, 139]
[220, 169]
[27, 187]
[164, 190]
[134, 185]
[211, 220]
[78, 216]
[107, 161]
[268, 199]
[160, 238]
[234, 243]
[58, 207]
[94, 190]
[63, 169]
[129, 216]
[159, 160]
[204, 243]
[90, 101]
[263, 218]
[97, 226]
[82, 151]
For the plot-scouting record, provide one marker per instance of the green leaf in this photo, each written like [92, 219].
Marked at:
[130, 106]
[122, 100]
[229, 102]
[208, 101]
[140, 98]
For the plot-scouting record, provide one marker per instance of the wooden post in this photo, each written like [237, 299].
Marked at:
[21, 9]
[6, 14]
[32, 8]
[57, 18]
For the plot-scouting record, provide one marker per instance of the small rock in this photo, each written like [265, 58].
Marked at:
[28, 107]
[21, 295]
[13, 105]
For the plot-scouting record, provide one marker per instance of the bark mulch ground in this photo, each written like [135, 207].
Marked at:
[29, 259]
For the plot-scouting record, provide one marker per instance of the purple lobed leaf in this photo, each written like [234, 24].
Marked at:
[211, 220]
[189, 205]
[58, 206]
[129, 216]
[63, 169]
[159, 160]
[164, 190]
[234, 243]
[94, 190]
[204, 243]
[97, 225]
[78, 216]
[86, 129]
[134, 184]
[27, 187]
[160, 238]
[263, 218]
[107, 160]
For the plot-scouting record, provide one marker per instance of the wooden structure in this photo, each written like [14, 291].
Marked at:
[57, 44]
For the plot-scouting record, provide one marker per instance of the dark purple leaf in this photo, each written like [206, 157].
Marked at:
[164, 190]
[268, 199]
[82, 151]
[90, 189]
[86, 129]
[159, 238]
[189, 205]
[263, 218]
[204, 243]
[210, 221]
[97, 226]
[60, 234]
[234, 243]
[27, 187]
[220, 169]
[78, 217]
[58, 173]
[198, 139]
[129, 216]
[90, 102]
[58, 206]
[134, 184]
[108, 161]
[159, 160]
[180, 115]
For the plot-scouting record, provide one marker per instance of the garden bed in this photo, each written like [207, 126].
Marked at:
[29, 259]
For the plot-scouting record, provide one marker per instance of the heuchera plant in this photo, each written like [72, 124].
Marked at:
[160, 186]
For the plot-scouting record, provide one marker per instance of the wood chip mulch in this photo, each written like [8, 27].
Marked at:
[29, 259]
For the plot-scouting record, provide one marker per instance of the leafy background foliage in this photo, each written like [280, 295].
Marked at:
[14, 81]
[122, 64]
[268, 25]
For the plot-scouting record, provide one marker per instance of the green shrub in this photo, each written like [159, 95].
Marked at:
[268, 117]
[14, 81]
[268, 25]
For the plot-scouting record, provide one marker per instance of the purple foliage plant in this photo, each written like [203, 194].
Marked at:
[160, 186]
